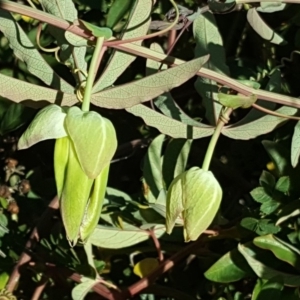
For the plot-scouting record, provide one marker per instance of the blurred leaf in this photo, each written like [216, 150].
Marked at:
[209, 40]
[4, 277]
[142, 90]
[138, 25]
[229, 268]
[144, 267]
[279, 156]
[169, 126]
[261, 227]
[117, 11]
[115, 238]
[16, 115]
[81, 290]
[270, 7]
[221, 7]
[267, 180]
[283, 184]
[265, 272]
[262, 28]
[47, 124]
[25, 51]
[290, 210]
[281, 251]
[268, 289]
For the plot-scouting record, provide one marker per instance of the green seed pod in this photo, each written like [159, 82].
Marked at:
[196, 194]
[74, 197]
[61, 155]
[94, 206]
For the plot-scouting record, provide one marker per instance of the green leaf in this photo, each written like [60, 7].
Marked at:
[270, 7]
[116, 238]
[236, 101]
[81, 290]
[169, 108]
[265, 272]
[165, 103]
[175, 159]
[47, 124]
[209, 40]
[295, 147]
[267, 180]
[229, 268]
[145, 89]
[197, 195]
[290, 210]
[269, 207]
[258, 127]
[262, 28]
[221, 7]
[94, 139]
[17, 90]
[25, 51]
[282, 252]
[138, 25]
[16, 115]
[152, 168]
[279, 156]
[273, 85]
[117, 11]
[268, 289]
[283, 184]
[259, 195]
[169, 126]
[97, 31]
[65, 10]
[261, 227]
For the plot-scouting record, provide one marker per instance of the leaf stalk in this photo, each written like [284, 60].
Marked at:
[223, 120]
[91, 75]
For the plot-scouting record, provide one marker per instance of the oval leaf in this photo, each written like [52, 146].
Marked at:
[145, 267]
[265, 272]
[80, 291]
[281, 251]
[116, 238]
[117, 11]
[230, 267]
[197, 195]
[94, 139]
[47, 124]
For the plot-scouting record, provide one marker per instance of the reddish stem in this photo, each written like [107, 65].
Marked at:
[34, 237]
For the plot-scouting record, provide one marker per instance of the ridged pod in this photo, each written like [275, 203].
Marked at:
[61, 155]
[74, 196]
[94, 206]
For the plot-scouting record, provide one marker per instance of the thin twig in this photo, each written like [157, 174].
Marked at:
[39, 290]
[157, 245]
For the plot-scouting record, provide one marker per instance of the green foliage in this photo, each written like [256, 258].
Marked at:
[210, 97]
